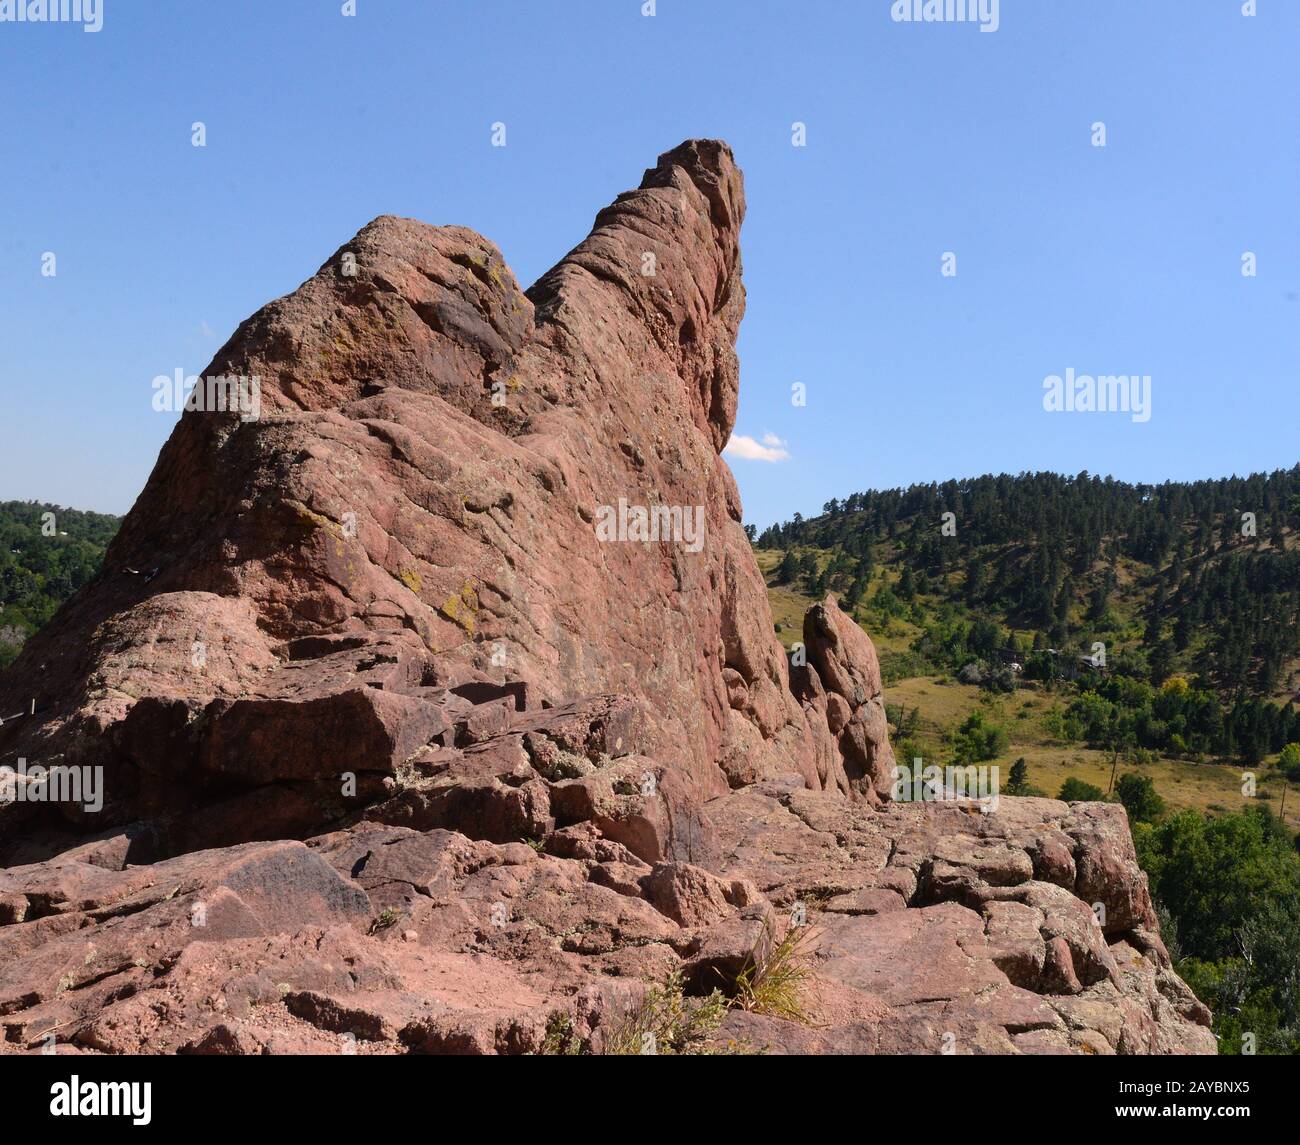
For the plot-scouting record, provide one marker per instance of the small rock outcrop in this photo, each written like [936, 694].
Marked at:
[451, 664]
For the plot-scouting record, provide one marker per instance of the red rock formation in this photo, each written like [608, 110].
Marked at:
[405, 615]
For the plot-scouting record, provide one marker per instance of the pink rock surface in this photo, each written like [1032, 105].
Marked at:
[403, 754]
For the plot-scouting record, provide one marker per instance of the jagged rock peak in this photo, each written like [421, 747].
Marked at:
[450, 664]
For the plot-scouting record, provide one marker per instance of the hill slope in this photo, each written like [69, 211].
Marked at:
[1091, 638]
[46, 554]
[1065, 576]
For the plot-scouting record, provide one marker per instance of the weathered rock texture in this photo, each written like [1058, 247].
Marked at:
[346, 660]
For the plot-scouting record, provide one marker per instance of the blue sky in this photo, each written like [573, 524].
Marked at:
[921, 139]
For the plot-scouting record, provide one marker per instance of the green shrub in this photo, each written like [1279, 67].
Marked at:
[1074, 789]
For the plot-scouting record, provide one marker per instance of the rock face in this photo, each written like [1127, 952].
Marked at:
[474, 578]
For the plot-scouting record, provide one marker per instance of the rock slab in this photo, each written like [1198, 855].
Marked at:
[439, 703]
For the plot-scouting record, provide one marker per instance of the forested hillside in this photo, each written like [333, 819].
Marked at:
[1099, 640]
[1196, 583]
[46, 554]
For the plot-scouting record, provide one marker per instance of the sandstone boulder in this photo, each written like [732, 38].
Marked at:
[414, 740]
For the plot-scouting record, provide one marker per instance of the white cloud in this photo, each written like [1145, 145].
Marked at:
[207, 330]
[770, 449]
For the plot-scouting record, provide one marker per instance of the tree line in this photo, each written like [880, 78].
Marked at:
[46, 554]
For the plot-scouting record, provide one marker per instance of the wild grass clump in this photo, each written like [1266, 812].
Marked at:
[386, 918]
[775, 979]
[773, 982]
[561, 1040]
[669, 1023]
